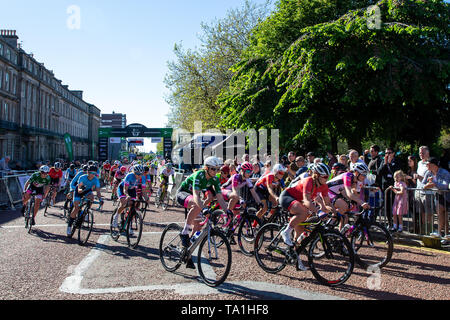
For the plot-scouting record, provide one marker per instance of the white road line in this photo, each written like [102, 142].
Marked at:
[72, 284]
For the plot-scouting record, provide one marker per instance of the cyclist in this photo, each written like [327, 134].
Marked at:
[74, 182]
[342, 190]
[230, 190]
[224, 174]
[118, 177]
[71, 172]
[127, 189]
[87, 183]
[113, 171]
[38, 182]
[301, 198]
[166, 173]
[55, 175]
[337, 169]
[188, 196]
[105, 170]
[147, 191]
[266, 188]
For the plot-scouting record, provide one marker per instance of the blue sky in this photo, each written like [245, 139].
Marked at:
[119, 54]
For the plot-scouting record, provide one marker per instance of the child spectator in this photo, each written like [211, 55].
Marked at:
[400, 206]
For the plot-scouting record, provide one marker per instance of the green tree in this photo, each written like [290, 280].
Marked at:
[345, 77]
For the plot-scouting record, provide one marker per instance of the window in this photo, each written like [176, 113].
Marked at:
[5, 112]
[1, 79]
[1, 49]
[7, 88]
[8, 54]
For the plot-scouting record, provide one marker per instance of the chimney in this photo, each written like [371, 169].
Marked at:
[10, 37]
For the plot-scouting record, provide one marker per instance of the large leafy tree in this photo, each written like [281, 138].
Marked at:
[346, 76]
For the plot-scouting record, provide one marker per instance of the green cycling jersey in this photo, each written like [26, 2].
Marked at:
[37, 181]
[198, 181]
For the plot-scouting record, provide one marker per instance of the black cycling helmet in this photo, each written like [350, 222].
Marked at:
[85, 167]
[72, 166]
[92, 168]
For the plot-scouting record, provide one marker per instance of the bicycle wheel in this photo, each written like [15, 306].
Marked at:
[114, 226]
[373, 246]
[270, 249]
[29, 214]
[134, 229]
[336, 266]
[86, 224]
[171, 250]
[47, 203]
[247, 234]
[214, 262]
[144, 210]
[165, 201]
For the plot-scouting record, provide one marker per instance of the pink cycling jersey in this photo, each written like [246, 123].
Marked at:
[237, 181]
[337, 184]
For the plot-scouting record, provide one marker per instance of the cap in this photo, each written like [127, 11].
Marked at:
[433, 160]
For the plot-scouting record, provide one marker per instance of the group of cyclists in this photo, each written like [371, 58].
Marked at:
[126, 182]
[312, 193]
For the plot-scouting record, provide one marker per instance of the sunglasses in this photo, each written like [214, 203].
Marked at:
[325, 176]
[92, 172]
[248, 171]
[214, 169]
[280, 172]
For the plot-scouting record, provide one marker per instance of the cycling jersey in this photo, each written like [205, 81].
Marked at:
[132, 181]
[119, 175]
[297, 189]
[114, 168]
[107, 166]
[74, 182]
[337, 184]
[268, 179]
[37, 181]
[237, 181]
[54, 174]
[165, 174]
[88, 186]
[197, 181]
[71, 174]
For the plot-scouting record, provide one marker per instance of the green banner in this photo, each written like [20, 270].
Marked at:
[68, 141]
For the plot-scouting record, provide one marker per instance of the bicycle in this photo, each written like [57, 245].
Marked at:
[244, 223]
[48, 199]
[130, 224]
[162, 198]
[371, 241]
[29, 212]
[330, 256]
[213, 260]
[84, 222]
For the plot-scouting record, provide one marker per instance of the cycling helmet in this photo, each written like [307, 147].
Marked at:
[361, 168]
[339, 167]
[247, 166]
[45, 169]
[123, 168]
[321, 169]
[225, 169]
[106, 161]
[279, 168]
[169, 166]
[58, 165]
[117, 162]
[138, 168]
[72, 166]
[85, 167]
[213, 162]
[92, 168]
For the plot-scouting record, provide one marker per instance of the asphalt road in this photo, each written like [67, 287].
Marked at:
[46, 265]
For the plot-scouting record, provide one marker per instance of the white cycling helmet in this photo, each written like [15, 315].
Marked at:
[213, 162]
[321, 169]
[138, 168]
[279, 168]
[45, 169]
[360, 167]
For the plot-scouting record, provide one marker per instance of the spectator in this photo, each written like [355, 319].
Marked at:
[353, 155]
[331, 159]
[292, 168]
[439, 178]
[4, 163]
[256, 171]
[423, 199]
[310, 156]
[375, 163]
[386, 171]
[412, 170]
[400, 207]
[343, 159]
[267, 167]
[301, 164]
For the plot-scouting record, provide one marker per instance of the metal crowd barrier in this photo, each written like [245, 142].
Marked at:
[11, 187]
[427, 210]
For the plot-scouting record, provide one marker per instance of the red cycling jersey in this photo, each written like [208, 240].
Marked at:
[306, 185]
[55, 174]
[266, 180]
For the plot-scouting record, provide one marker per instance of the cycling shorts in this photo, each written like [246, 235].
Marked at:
[121, 192]
[183, 198]
[287, 201]
[38, 190]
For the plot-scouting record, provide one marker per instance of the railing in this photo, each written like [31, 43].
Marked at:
[427, 211]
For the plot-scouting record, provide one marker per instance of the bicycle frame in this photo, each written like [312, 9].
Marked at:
[206, 232]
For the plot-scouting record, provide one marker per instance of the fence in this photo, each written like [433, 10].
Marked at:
[427, 211]
[11, 188]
